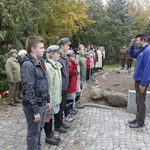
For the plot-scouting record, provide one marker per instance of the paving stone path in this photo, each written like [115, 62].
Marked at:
[93, 129]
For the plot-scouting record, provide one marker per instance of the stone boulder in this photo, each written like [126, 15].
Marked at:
[96, 93]
[117, 99]
[101, 78]
[122, 71]
[106, 94]
[96, 86]
[131, 70]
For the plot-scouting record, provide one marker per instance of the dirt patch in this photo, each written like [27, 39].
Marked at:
[109, 80]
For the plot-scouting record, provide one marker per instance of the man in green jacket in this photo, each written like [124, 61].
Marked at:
[12, 68]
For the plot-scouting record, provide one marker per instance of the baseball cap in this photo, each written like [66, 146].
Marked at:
[63, 41]
[70, 53]
[53, 48]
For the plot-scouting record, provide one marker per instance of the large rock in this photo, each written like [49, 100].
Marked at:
[122, 71]
[117, 99]
[106, 94]
[101, 78]
[96, 93]
[96, 86]
[131, 70]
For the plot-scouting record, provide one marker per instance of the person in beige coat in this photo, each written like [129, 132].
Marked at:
[99, 60]
[12, 68]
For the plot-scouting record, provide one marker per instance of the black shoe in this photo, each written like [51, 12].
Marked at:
[20, 97]
[51, 140]
[133, 121]
[17, 101]
[135, 125]
[61, 130]
[12, 104]
[65, 126]
[56, 138]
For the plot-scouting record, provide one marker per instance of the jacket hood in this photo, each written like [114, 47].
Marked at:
[28, 57]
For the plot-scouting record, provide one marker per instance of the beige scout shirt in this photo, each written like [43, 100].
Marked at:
[12, 68]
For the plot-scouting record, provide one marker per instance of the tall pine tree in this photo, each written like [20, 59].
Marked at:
[112, 27]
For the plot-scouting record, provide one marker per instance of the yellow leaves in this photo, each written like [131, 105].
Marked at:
[65, 18]
[140, 11]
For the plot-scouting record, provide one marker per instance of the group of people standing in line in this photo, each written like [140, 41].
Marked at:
[51, 86]
[51, 83]
[95, 58]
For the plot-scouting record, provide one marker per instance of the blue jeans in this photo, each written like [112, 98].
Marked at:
[34, 129]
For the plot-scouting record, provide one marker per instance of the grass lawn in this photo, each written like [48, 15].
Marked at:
[112, 66]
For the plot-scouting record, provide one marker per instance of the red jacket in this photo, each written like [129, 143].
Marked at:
[94, 58]
[72, 77]
[88, 62]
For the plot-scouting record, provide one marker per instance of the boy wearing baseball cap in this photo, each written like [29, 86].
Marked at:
[64, 45]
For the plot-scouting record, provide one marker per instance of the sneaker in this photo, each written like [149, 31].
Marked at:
[69, 119]
[73, 111]
[72, 117]
[79, 106]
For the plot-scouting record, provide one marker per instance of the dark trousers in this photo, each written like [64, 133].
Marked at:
[13, 91]
[58, 118]
[103, 62]
[91, 74]
[34, 129]
[140, 101]
[129, 63]
[77, 98]
[123, 62]
[69, 105]
[87, 74]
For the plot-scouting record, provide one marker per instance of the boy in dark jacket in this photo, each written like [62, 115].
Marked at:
[34, 90]
[64, 45]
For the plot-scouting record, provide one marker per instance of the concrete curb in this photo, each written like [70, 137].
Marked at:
[104, 107]
[98, 106]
